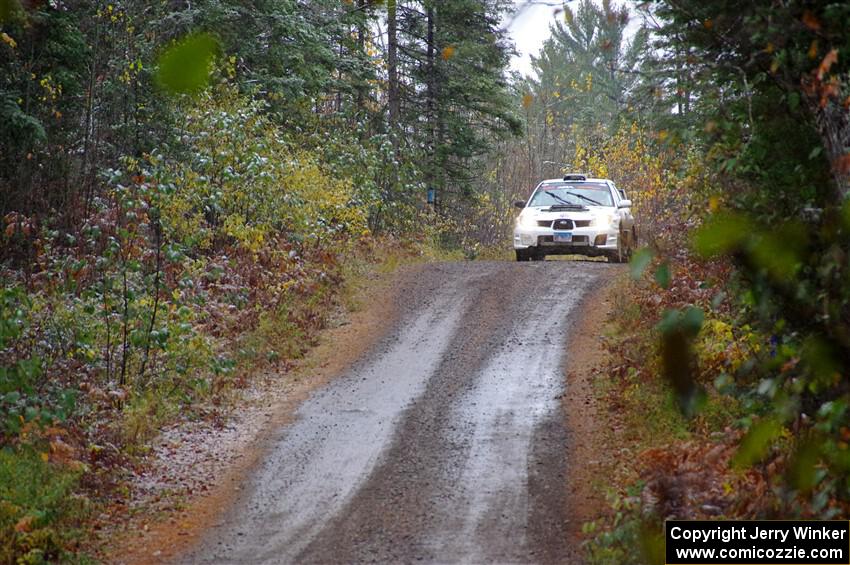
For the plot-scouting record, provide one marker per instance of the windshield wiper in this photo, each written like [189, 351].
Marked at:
[567, 202]
[583, 197]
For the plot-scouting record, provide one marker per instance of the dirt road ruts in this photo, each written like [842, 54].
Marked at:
[446, 443]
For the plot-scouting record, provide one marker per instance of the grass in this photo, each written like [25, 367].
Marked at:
[39, 514]
[645, 415]
[143, 416]
[495, 253]
[641, 415]
[644, 400]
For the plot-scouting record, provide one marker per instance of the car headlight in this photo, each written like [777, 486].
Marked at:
[605, 220]
[526, 221]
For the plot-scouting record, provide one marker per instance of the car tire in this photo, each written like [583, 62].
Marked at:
[623, 252]
[522, 255]
[538, 256]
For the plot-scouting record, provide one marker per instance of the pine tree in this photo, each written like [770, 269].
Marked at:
[456, 99]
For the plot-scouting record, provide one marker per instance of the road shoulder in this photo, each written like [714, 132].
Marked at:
[591, 459]
[209, 464]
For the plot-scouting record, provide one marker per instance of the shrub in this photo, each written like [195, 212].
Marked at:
[37, 507]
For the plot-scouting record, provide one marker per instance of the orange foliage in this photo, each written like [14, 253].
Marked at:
[693, 480]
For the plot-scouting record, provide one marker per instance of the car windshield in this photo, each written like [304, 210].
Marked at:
[582, 194]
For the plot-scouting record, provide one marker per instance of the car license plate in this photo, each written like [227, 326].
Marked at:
[563, 237]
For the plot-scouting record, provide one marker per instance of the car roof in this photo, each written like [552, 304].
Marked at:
[561, 180]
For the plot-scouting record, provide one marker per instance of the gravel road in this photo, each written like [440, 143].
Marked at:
[446, 443]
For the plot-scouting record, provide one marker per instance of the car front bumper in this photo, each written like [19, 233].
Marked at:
[587, 240]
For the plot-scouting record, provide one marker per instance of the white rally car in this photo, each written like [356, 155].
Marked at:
[575, 215]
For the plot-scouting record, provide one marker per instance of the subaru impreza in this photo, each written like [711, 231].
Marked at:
[575, 215]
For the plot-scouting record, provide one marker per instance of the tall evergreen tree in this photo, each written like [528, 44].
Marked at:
[457, 97]
[589, 69]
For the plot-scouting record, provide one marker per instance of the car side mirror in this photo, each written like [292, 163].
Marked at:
[520, 203]
[625, 204]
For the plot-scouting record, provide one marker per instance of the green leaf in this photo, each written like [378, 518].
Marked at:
[30, 369]
[831, 414]
[793, 101]
[822, 360]
[669, 321]
[184, 68]
[678, 328]
[692, 320]
[687, 322]
[640, 261]
[11, 11]
[723, 233]
[780, 251]
[12, 423]
[651, 540]
[137, 338]
[802, 472]
[30, 413]
[845, 215]
[756, 443]
[662, 275]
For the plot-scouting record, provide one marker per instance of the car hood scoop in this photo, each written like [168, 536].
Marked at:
[571, 207]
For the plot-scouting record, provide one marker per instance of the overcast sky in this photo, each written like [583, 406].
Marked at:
[529, 27]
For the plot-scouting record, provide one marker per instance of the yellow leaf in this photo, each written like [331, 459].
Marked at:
[527, 100]
[8, 40]
[813, 49]
[448, 53]
[713, 203]
[45, 456]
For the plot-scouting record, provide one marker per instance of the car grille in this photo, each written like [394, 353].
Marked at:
[563, 224]
[549, 240]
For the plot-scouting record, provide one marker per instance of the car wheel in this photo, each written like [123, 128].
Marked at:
[623, 252]
[538, 257]
[628, 247]
[522, 255]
